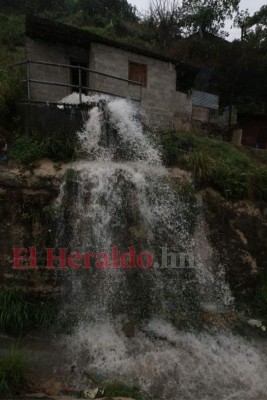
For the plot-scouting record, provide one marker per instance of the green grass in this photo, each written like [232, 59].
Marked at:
[232, 171]
[13, 369]
[20, 313]
[15, 310]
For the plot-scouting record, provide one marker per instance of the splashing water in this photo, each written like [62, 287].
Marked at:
[120, 194]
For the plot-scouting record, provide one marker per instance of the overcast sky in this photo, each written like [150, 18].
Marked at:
[252, 5]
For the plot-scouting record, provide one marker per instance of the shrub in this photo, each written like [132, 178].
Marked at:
[13, 369]
[27, 149]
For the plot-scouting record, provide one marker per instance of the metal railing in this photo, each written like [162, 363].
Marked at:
[36, 74]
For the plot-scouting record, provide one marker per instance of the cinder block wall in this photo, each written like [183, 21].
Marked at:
[38, 50]
[183, 111]
[158, 99]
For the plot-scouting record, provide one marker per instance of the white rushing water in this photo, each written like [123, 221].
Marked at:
[119, 194]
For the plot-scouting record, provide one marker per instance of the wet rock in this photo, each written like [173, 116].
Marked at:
[52, 387]
[90, 393]
[257, 324]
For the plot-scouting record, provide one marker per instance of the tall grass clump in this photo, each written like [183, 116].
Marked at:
[14, 367]
[20, 313]
[14, 310]
[216, 164]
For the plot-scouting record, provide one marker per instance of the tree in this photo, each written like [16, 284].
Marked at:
[256, 26]
[165, 20]
[241, 21]
[37, 6]
[208, 16]
[106, 8]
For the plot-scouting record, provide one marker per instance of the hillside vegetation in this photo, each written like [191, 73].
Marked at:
[235, 172]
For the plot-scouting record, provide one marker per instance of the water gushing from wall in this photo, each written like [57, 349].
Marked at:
[120, 194]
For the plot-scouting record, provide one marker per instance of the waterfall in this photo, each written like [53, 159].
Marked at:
[119, 195]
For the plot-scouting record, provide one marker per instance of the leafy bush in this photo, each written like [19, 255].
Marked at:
[13, 369]
[27, 149]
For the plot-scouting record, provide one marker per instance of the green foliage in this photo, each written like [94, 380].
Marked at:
[108, 9]
[118, 389]
[14, 310]
[230, 170]
[58, 147]
[202, 166]
[27, 149]
[174, 146]
[13, 369]
[208, 16]
[12, 29]
[19, 313]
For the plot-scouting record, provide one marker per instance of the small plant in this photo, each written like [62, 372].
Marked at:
[18, 315]
[13, 369]
[14, 310]
[118, 389]
[25, 150]
[51, 210]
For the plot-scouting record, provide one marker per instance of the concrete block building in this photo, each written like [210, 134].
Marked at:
[62, 59]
